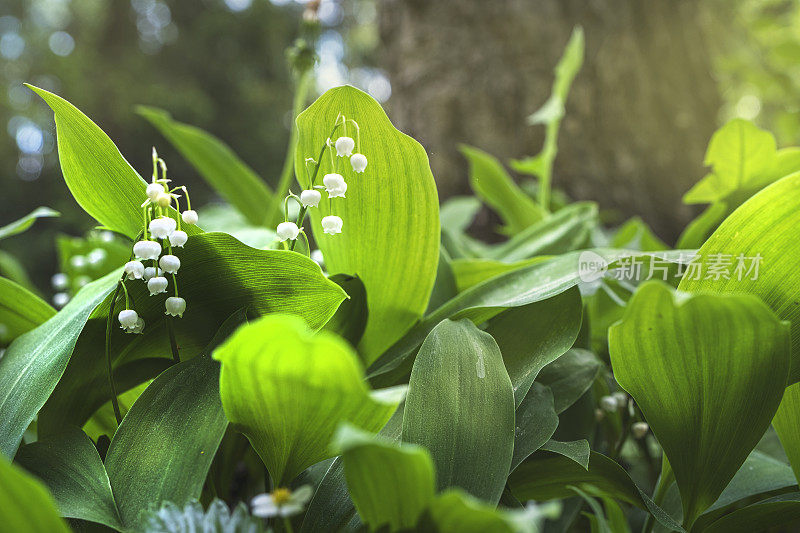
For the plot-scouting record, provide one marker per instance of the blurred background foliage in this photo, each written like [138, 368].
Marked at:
[221, 65]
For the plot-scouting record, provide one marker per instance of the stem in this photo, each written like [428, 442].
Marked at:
[288, 524]
[300, 218]
[172, 342]
[109, 321]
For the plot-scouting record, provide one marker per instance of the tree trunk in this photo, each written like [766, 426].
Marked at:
[638, 119]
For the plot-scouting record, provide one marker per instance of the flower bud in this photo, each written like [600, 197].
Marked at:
[287, 230]
[157, 285]
[147, 250]
[153, 190]
[162, 227]
[608, 403]
[639, 429]
[60, 299]
[178, 238]
[150, 273]
[332, 224]
[164, 199]
[310, 198]
[344, 146]
[77, 261]
[190, 216]
[175, 306]
[358, 162]
[127, 319]
[134, 270]
[334, 185]
[169, 263]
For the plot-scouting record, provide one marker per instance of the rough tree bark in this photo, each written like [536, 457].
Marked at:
[638, 119]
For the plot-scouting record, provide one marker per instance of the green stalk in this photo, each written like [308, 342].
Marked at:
[109, 322]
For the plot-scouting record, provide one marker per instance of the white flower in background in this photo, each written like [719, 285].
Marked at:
[316, 256]
[358, 162]
[60, 299]
[157, 285]
[107, 236]
[97, 256]
[169, 263]
[639, 429]
[190, 216]
[137, 328]
[153, 190]
[175, 306]
[334, 185]
[344, 146]
[608, 403]
[150, 273]
[287, 230]
[147, 250]
[162, 227]
[128, 319]
[310, 198]
[178, 238]
[82, 281]
[134, 270]
[281, 502]
[77, 261]
[332, 224]
[59, 281]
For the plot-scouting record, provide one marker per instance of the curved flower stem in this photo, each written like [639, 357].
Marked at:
[109, 321]
[173, 343]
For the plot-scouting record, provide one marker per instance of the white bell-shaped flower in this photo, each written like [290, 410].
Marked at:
[178, 238]
[332, 224]
[358, 162]
[344, 146]
[287, 230]
[134, 270]
[334, 185]
[169, 263]
[157, 285]
[162, 227]
[127, 319]
[639, 429]
[151, 272]
[164, 199]
[147, 250]
[310, 198]
[153, 190]
[137, 329]
[175, 306]
[190, 216]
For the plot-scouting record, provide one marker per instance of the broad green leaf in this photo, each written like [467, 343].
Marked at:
[226, 219]
[698, 230]
[11, 268]
[779, 511]
[597, 517]
[104, 184]
[460, 406]
[496, 188]
[390, 483]
[27, 506]
[457, 213]
[350, 319]
[454, 510]
[20, 310]
[171, 518]
[218, 276]
[71, 468]
[288, 390]
[535, 422]
[164, 446]
[635, 234]
[787, 425]
[444, 288]
[222, 169]
[570, 376]
[35, 361]
[577, 450]
[470, 272]
[22, 224]
[391, 234]
[708, 372]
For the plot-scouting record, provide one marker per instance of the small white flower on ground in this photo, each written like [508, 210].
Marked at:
[178, 238]
[153, 190]
[358, 162]
[639, 429]
[59, 281]
[77, 261]
[150, 273]
[175, 306]
[128, 319]
[608, 403]
[344, 146]
[334, 185]
[287, 230]
[137, 328]
[310, 198]
[134, 270]
[161, 228]
[281, 502]
[190, 216]
[169, 263]
[332, 224]
[164, 199]
[147, 250]
[157, 285]
[60, 299]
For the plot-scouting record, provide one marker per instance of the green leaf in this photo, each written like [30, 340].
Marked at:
[35, 361]
[288, 389]
[635, 234]
[391, 229]
[570, 376]
[496, 188]
[460, 406]
[104, 184]
[457, 213]
[470, 272]
[444, 287]
[171, 518]
[222, 169]
[536, 421]
[350, 319]
[27, 506]
[391, 484]
[71, 468]
[22, 224]
[454, 510]
[11, 268]
[761, 516]
[20, 310]
[577, 450]
[708, 372]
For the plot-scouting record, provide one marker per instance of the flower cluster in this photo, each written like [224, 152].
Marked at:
[160, 234]
[333, 183]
